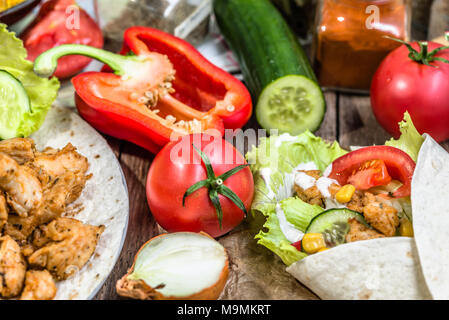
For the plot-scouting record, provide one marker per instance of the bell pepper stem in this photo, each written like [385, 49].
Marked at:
[45, 65]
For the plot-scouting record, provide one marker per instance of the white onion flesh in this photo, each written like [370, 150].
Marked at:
[183, 263]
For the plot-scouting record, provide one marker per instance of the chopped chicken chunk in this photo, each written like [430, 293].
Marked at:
[3, 212]
[358, 232]
[23, 188]
[356, 203]
[20, 149]
[65, 246]
[379, 215]
[311, 195]
[63, 191]
[12, 268]
[39, 285]
[56, 163]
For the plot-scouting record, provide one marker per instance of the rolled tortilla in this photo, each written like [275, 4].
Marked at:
[430, 195]
[379, 269]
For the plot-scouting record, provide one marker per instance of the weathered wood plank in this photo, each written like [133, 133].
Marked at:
[115, 144]
[135, 163]
[328, 130]
[357, 124]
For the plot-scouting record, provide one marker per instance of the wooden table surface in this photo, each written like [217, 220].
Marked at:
[349, 120]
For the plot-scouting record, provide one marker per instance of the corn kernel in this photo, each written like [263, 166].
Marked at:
[323, 249]
[313, 242]
[406, 228]
[344, 195]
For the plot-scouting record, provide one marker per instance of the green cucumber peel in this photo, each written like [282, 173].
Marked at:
[46, 64]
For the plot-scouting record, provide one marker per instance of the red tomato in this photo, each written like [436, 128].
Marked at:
[177, 167]
[370, 174]
[56, 25]
[399, 165]
[402, 84]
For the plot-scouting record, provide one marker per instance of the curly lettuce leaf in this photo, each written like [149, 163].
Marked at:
[410, 140]
[42, 92]
[275, 241]
[273, 164]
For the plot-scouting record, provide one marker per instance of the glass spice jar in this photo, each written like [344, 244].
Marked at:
[350, 43]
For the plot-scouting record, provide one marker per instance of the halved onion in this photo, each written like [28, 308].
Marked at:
[177, 266]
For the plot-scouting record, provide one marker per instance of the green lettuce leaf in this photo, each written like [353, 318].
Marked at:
[42, 92]
[410, 141]
[299, 213]
[273, 164]
[275, 240]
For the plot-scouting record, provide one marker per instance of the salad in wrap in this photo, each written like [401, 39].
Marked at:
[349, 224]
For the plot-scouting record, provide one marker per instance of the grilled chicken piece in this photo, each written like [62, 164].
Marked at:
[55, 163]
[20, 149]
[23, 188]
[12, 268]
[358, 232]
[63, 191]
[3, 212]
[381, 216]
[39, 285]
[311, 195]
[65, 246]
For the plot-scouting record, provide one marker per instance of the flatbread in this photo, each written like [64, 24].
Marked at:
[430, 196]
[379, 269]
[104, 199]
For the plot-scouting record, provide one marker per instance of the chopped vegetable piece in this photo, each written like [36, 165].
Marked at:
[14, 103]
[334, 225]
[406, 228]
[399, 165]
[291, 104]
[370, 174]
[313, 242]
[344, 195]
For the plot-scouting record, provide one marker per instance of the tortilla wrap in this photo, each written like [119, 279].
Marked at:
[379, 269]
[430, 194]
[393, 268]
[104, 200]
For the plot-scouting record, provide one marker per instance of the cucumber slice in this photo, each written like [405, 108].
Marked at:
[291, 104]
[14, 102]
[334, 226]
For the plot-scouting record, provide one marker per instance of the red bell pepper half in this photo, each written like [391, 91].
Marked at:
[161, 88]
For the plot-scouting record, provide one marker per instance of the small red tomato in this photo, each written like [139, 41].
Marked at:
[55, 25]
[185, 193]
[398, 163]
[411, 80]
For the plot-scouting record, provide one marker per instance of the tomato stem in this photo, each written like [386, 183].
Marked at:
[216, 186]
[423, 56]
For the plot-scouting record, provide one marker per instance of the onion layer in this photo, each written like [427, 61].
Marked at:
[177, 266]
